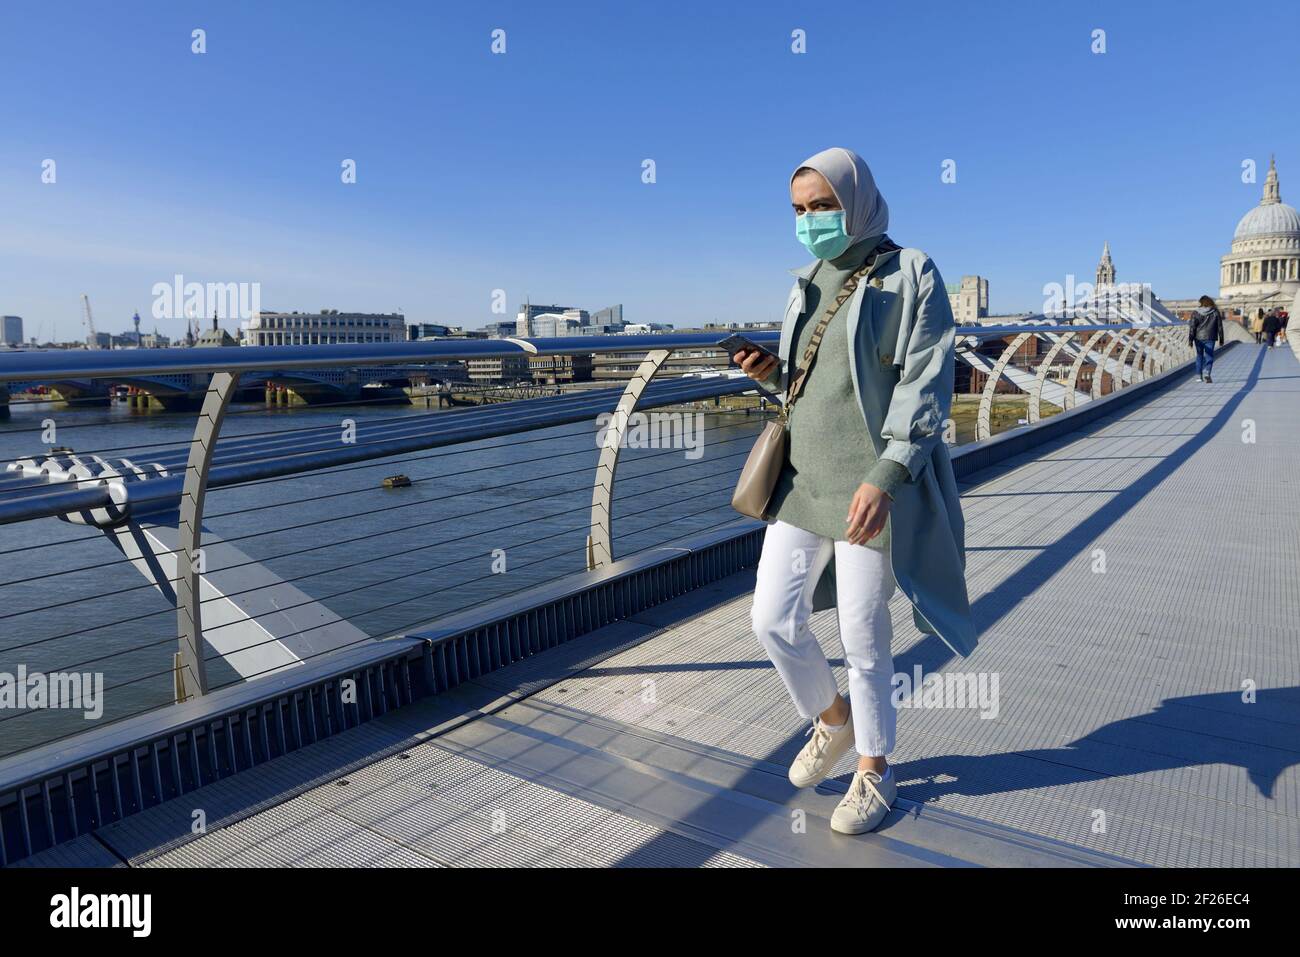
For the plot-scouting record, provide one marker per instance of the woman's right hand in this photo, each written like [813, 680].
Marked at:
[757, 365]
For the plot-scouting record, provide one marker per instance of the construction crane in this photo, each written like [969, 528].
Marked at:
[92, 337]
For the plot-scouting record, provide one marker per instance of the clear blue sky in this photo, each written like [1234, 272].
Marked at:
[522, 171]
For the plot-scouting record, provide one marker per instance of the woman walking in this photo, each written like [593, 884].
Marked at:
[1257, 326]
[1204, 332]
[866, 495]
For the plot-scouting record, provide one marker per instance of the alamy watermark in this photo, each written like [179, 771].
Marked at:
[198, 300]
[74, 691]
[1128, 301]
[75, 909]
[656, 430]
[947, 690]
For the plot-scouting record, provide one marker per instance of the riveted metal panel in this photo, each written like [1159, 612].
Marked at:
[48, 802]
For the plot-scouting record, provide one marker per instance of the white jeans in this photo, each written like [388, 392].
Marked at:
[791, 563]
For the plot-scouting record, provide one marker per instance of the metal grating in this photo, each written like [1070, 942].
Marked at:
[69, 794]
[469, 654]
[81, 793]
[430, 807]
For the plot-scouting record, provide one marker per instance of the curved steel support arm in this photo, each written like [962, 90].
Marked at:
[191, 672]
[1135, 341]
[1072, 382]
[600, 542]
[1116, 378]
[984, 424]
[1044, 367]
[1158, 355]
[1147, 346]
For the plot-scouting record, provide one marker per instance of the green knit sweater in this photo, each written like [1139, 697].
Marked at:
[828, 451]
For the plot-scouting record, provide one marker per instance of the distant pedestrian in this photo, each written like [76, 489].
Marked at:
[1272, 324]
[1257, 326]
[1205, 331]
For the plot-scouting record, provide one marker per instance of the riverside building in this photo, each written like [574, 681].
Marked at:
[323, 328]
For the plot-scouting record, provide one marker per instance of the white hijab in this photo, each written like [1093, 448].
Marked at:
[865, 211]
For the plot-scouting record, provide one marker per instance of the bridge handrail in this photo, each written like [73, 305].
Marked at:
[97, 363]
[34, 496]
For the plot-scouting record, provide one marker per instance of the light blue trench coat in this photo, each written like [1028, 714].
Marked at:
[901, 334]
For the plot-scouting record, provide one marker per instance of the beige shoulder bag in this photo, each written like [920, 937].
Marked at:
[767, 458]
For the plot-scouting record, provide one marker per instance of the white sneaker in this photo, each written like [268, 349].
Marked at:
[813, 763]
[865, 806]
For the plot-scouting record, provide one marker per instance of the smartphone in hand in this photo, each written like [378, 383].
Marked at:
[737, 343]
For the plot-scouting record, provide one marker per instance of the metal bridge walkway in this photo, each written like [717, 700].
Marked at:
[1129, 582]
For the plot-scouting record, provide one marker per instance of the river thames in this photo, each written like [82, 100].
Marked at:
[387, 560]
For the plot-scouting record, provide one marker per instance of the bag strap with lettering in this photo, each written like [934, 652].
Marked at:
[810, 352]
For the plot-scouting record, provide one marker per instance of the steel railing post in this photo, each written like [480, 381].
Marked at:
[1036, 397]
[1116, 382]
[600, 543]
[1072, 383]
[984, 424]
[191, 671]
[1134, 339]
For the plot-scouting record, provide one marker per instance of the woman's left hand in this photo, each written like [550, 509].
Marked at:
[867, 514]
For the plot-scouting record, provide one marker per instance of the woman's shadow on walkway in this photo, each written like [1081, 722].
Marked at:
[932, 655]
[1259, 737]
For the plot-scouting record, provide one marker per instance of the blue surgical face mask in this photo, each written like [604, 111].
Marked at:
[823, 233]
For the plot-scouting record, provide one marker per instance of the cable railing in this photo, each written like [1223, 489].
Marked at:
[306, 554]
[658, 474]
[353, 590]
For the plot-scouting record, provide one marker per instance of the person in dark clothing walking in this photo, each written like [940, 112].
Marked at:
[1205, 331]
[1272, 323]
